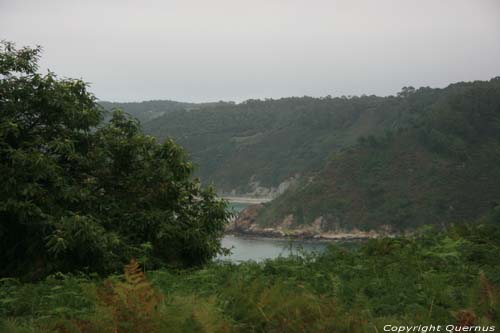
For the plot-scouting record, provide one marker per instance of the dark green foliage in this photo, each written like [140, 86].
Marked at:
[442, 169]
[267, 142]
[430, 278]
[241, 146]
[79, 194]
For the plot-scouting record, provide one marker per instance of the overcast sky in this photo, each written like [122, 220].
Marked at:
[234, 50]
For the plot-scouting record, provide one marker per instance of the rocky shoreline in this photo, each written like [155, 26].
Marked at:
[245, 225]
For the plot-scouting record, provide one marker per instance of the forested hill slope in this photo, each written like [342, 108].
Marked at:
[444, 168]
[255, 146]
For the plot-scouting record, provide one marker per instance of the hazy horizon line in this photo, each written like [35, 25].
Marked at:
[243, 100]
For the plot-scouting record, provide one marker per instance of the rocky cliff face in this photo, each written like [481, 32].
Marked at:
[256, 190]
[245, 224]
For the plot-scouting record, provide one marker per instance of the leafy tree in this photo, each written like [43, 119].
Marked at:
[82, 194]
[406, 92]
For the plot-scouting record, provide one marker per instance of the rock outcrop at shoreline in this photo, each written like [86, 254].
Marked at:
[245, 224]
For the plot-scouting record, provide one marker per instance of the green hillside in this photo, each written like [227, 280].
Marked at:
[444, 168]
[255, 146]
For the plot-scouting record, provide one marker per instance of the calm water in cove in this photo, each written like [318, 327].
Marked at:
[259, 249]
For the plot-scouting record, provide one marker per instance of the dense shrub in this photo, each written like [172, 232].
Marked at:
[80, 194]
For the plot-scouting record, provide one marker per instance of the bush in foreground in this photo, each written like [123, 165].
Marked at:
[81, 194]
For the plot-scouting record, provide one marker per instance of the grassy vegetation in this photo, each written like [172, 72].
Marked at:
[441, 278]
